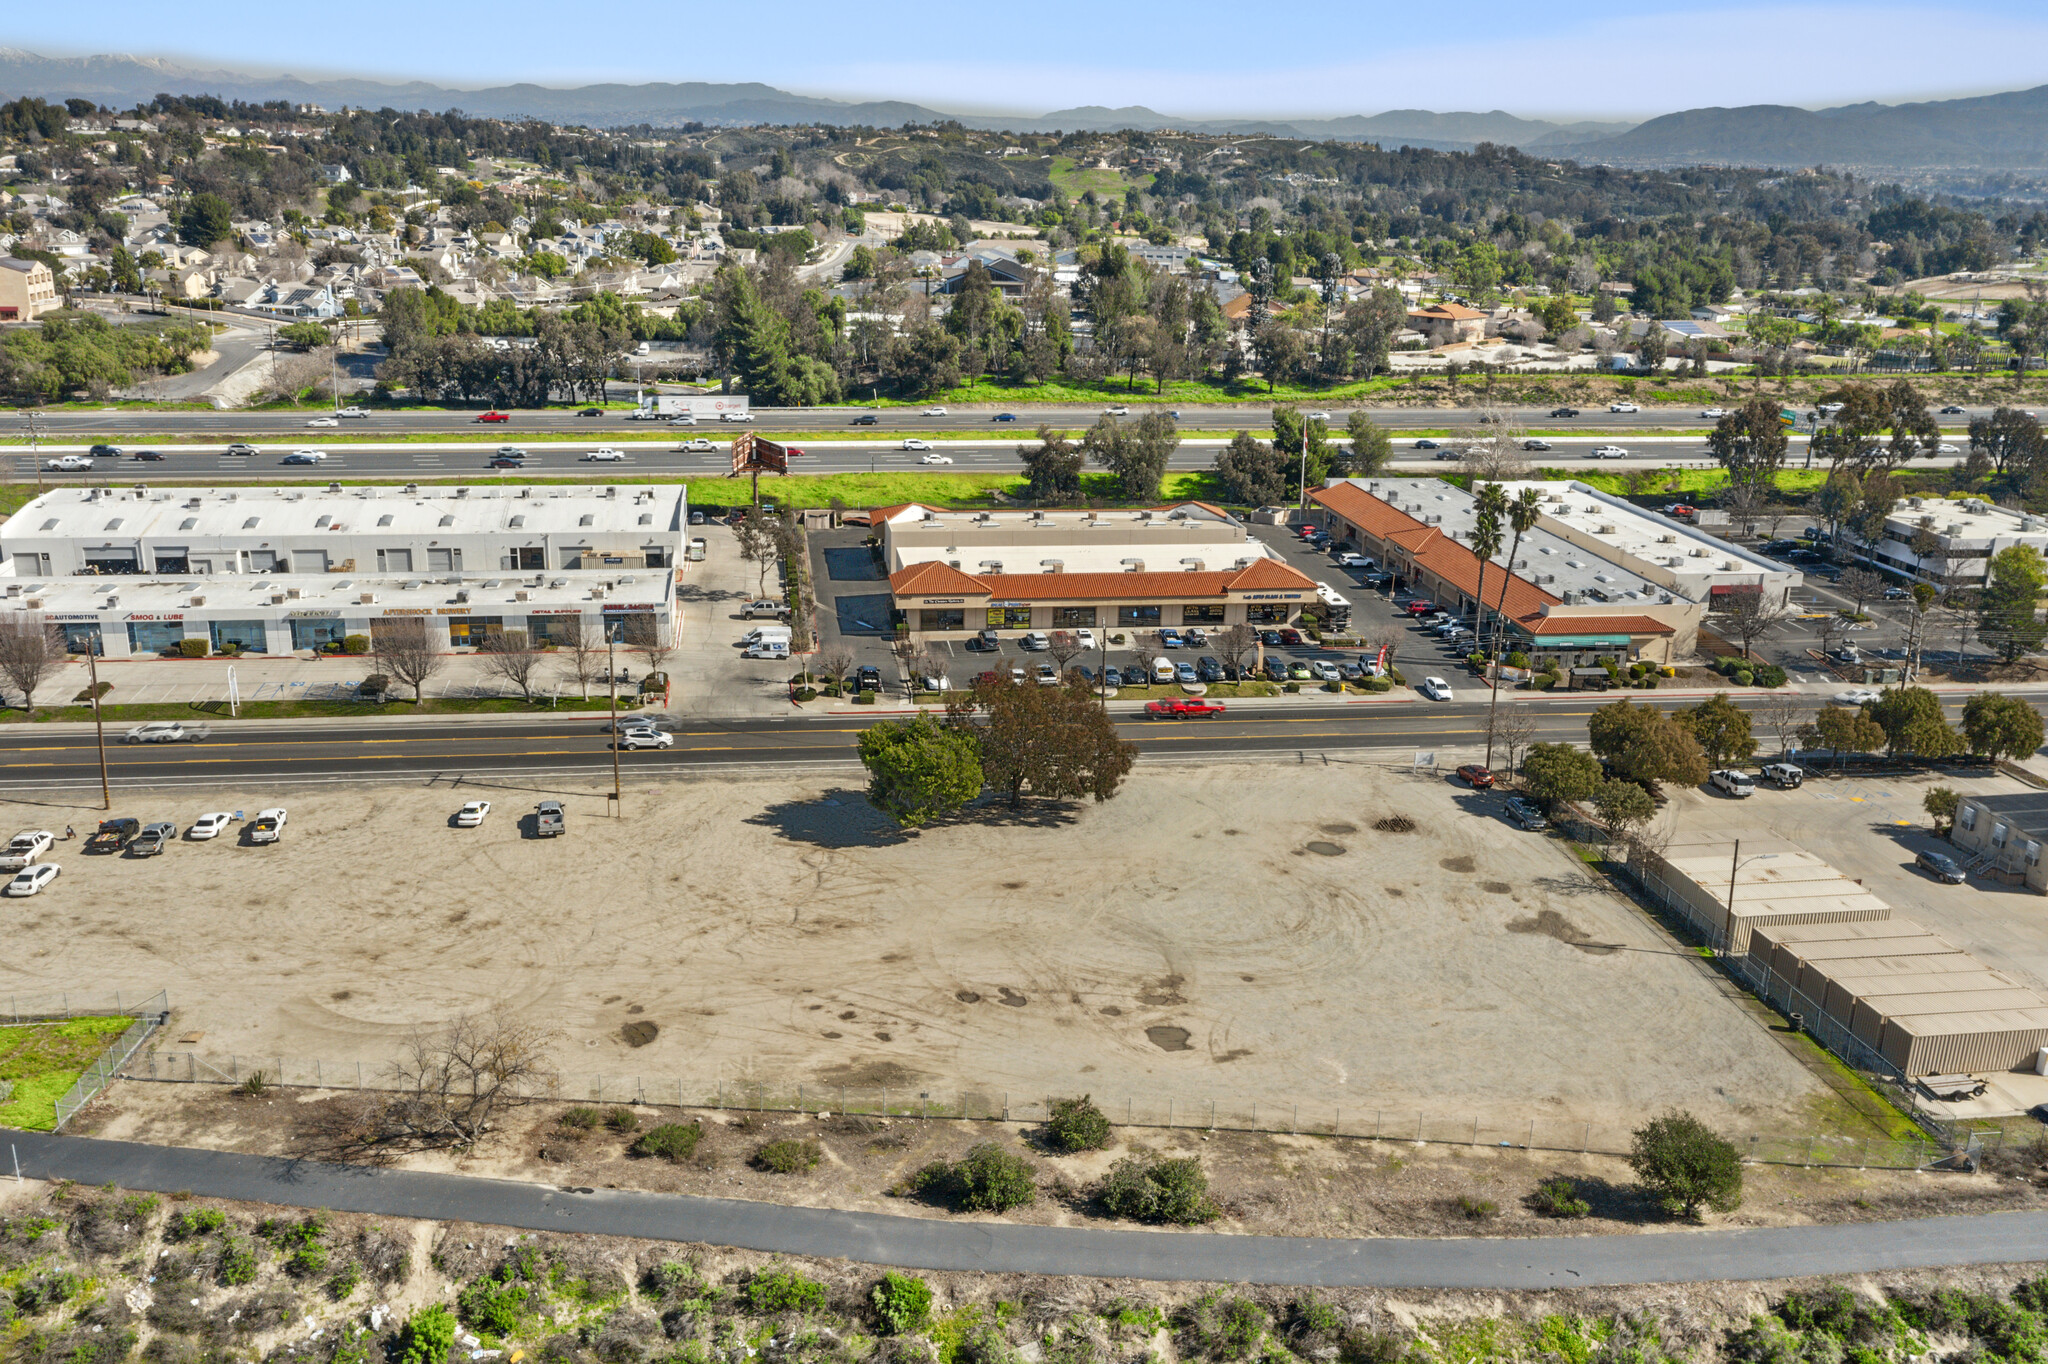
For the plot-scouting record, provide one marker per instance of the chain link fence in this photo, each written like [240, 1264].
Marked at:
[82, 1004]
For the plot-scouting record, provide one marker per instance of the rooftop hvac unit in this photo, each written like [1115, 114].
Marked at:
[412, 489]
[1727, 565]
[1546, 577]
[525, 491]
[597, 594]
[1667, 539]
[1193, 565]
[522, 595]
[334, 487]
[1052, 565]
[362, 599]
[1699, 553]
[14, 589]
[36, 603]
[1675, 561]
[277, 599]
[194, 601]
[191, 502]
[1133, 565]
[462, 596]
[1608, 528]
[1916, 501]
[462, 492]
[611, 490]
[293, 593]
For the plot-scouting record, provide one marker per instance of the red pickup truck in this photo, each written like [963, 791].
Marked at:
[1182, 706]
[495, 417]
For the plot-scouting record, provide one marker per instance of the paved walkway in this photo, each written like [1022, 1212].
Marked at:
[997, 1247]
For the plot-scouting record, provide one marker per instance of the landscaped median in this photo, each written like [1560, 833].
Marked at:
[42, 1061]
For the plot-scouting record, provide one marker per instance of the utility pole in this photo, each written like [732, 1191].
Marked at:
[92, 651]
[34, 421]
[611, 668]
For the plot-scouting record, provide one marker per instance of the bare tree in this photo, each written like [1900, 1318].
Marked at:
[759, 547]
[1784, 714]
[584, 652]
[1859, 585]
[1065, 647]
[645, 637]
[451, 1085]
[1512, 729]
[408, 651]
[30, 650]
[1749, 616]
[834, 665]
[1959, 617]
[1145, 644]
[1493, 448]
[511, 656]
[1233, 643]
[1831, 630]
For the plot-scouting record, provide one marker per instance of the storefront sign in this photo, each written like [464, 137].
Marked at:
[556, 611]
[1000, 605]
[73, 615]
[1272, 596]
[633, 606]
[151, 615]
[408, 610]
[294, 615]
[451, 610]
[943, 601]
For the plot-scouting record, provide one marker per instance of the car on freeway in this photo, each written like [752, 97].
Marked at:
[1450, 454]
[867, 678]
[98, 451]
[645, 738]
[866, 419]
[472, 814]
[736, 416]
[1535, 443]
[304, 457]
[586, 412]
[165, 732]
[913, 443]
[1435, 688]
[1946, 449]
[1318, 417]
[1184, 673]
[1940, 866]
[606, 455]
[934, 457]
[239, 448]
[1427, 444]
[1004, 417]
[324, 421]
[495, 416]
[1713, 413]
[1608, 452]
[1731, 782]
[1564, 412]
[1525, 814]
[151, 455]
[68, 463]
[1116, 411]
[1952, 411]
[31, 880]
[208, 826]
[936, 412]
[1623, 407]
[1181, 707]
[1858, 696]
[696, 444]
[507, 462]
[1476, 776]
[1827, 409]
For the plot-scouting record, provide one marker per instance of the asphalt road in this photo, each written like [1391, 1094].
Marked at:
[987, 1246]
[51, 758]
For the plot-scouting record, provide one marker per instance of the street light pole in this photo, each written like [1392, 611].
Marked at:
[98, 723]
[611, 668]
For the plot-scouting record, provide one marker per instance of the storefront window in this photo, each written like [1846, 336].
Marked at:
[1009, 618]
[1201, 615]
[954, 618]
[83, 639]
[317, 632]
[1073, 618]
[155, 636]
[247, 635]
[467, 632]
[552, 629]
[1269, 613]
[1139, 616]
[380, 626]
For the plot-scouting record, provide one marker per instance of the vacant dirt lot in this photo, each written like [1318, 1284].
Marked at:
[1230, 934]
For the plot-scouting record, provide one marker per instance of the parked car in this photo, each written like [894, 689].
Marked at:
[1046, 675]
[548, 820]
[1112, 676]
[1421, 606]
[1731, 782]
[208, 826]
[25, 847]
[495, 416]
[1169, 638]
[31, 880]
[1185, 675]
[1435, 688]
[1356, 561]
[1297, 671]
[1208, 670]
[1034, 640]
[472, 814]
[1162, 670]
[1181, 707]
[1939, 865]
[1323, 670]
[1290, 636]
[1478, 777]
[1276, 669]
[269, 825]
[113, 835]
[1085, 639]
[152, 840]
[1784, 776]
[1525, 814]
[867, 678]
[1896, 594]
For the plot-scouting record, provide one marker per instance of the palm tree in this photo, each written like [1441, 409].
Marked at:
[1486, 537]
[1523, 513]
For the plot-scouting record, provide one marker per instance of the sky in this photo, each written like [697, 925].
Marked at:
[1191, 58]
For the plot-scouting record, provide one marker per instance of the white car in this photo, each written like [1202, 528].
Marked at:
[913, 443]
[735, 416]
[1355, 561]
[1324, 671]
[323, 421]
[164, 732]
[33, 879]
[305, 457]
[1435, 688]
[1116, 412]
[1609, 452]
[1318, 417]
[68, 463]
[934, 458]
[937, 412]
[697, 445]
[209, 826]
[472, 814]
[1713, 413]
[1946, 449]
[1047, 675]
[1860, 696]
[646, 738]
[1085, 638]
[606, 455]
[25, 848]
[1623, 407]
[352, 412]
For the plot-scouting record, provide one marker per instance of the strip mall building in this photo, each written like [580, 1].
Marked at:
[953, 573]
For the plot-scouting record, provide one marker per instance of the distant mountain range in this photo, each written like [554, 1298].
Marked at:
[1991, 132]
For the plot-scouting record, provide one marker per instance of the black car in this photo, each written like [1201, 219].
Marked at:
[1427, 444]
[868, 679]
[1952, 411]
[1270, 638]
[148, 454]
[113, 450]
[866, 419]
[1941, 867]
[1276, 669]
[1208, 669]
[1564, 412]
[591, 412]
[506, 462]
[1004, 417]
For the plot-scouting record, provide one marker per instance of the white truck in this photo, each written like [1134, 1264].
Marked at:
[166, 732]
[269, 825]
[24, 848]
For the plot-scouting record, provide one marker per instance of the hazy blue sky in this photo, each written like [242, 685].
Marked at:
[1195, 57]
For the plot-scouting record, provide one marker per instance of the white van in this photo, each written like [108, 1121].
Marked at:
[762, 634]
[1162, 670]
[766, 648]
[695, 553]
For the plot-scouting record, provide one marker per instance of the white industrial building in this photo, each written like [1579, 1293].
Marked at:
[1959, 536]
[136, 571]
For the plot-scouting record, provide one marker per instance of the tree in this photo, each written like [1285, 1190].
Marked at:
[1055, 742]
[1722, 729]
[1749, 615]
[1782, 713]
[1859, 585]
[1371, 448]
[918, 770]
[1643, 744]
[1231, 645]
[1509, 731]
[1136, 453]
[1750, 444]
[450, 1087]
[1913, 723]
[2011, 439]
[1624, 807]
[1253, 473]
[760, 546]
[2001, 726]
[834, 665]
[1065, 647]
[408, 650]
[513, 657]
[583, 650]
[1687, 1165]
[643, 635]
[1560, 772]
[2008, 609]
[303, 336]
[1052, 468]
[205, 219]
[30, 649]
[1843, 730]
[1940, 803]
[1523, 513]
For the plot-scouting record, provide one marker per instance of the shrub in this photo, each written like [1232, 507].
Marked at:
[196, 1222]
[35, 1296]
[1226, 1328]
[790, 1157]
[1380, 683]
[864, 698]
[493, 1305]
[192, 648]
[1518, 659]
[1333, 686]
[808, 693]
[1687, 1165]
[307, 1262]
[355, 644]
[1477, 1209]
[783, 1290]
[254, 1085]
[986, 1179]
[903, 1303]
[344, 1281]
[1764, 675]
[1744, 679]
[622, 1119]
[1150, 1188]
[1309, 1318]
[674, 1141]
[1558, 1196]
[428, 1336]
[1076, 1125]
[1291, 688]
[237, 1263]
[581, 1118]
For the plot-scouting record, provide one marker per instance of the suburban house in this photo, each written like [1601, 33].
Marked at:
[2002, 837]
[1441, 323]
[27, 289]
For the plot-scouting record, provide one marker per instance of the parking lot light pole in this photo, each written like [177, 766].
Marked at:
[611, 668]
[98, 722]
[1736, 861]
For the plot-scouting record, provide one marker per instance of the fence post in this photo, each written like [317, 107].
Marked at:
[1586, 1139]
[280, 1070]
[1169, 1112]
[359, 1075]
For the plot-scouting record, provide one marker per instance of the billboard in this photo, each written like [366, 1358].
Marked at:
[752, 454]
[703, 409]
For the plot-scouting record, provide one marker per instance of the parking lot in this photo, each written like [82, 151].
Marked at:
[709, 676]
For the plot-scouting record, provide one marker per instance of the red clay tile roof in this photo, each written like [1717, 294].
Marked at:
[933, 578]
[1595, 625]
[1430, 548]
